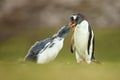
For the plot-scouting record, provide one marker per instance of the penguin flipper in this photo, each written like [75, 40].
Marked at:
[71, 49]
[72, 45]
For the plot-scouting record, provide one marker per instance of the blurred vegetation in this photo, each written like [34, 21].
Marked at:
[64, 67]
[53, 12]
[19, 15]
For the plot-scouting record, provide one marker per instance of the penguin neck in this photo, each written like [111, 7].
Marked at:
[57, 36]
[83, 26]
[58, 39]
[62, 35]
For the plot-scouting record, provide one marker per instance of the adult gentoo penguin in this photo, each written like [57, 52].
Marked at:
[82, 42]
[46, 50]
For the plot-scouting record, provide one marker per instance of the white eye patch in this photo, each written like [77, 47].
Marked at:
[74, 17]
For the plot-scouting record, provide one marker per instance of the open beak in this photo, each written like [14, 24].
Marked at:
[72, 24]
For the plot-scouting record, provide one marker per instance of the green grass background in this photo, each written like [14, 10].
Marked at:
[64, 67]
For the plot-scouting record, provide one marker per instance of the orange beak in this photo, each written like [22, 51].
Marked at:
[72, 24]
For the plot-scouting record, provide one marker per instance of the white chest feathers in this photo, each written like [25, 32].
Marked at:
[50, 53]
[81, 36]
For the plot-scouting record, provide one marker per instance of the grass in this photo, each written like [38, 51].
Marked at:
[13, 50]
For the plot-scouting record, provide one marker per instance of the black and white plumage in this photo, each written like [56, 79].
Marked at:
[83, 39]
[46, 50]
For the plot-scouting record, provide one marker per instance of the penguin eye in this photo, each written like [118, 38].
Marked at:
[71, 18]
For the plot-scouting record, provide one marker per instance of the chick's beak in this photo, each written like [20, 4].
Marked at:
[72, 24]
